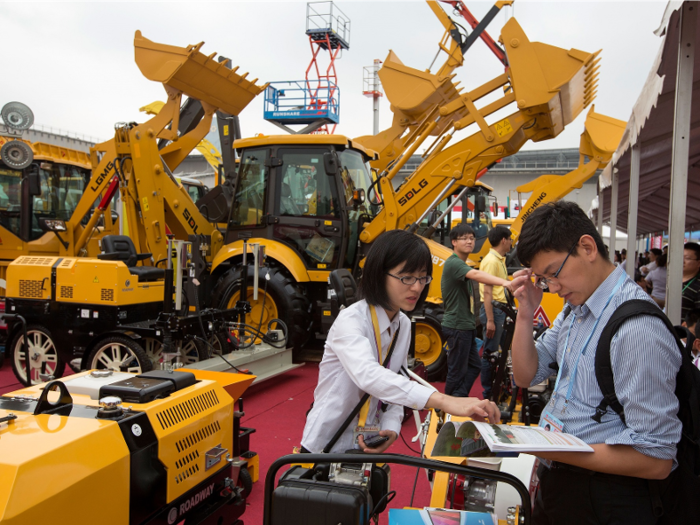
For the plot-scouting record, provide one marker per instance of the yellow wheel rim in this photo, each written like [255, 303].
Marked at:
[428, 343]
[258, 315]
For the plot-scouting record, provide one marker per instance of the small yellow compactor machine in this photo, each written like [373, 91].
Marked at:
[114, 448]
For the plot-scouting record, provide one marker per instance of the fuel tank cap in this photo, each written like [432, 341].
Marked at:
[110, 408]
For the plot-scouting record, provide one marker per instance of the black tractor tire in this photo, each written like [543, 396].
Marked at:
[106, 354]
[40, 341]
[430, 343]
[290, 301]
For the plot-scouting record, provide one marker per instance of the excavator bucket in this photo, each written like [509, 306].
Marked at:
[562, 81]
[196, 75]
[414, 92]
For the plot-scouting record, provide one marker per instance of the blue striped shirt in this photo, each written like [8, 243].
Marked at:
[645, 361]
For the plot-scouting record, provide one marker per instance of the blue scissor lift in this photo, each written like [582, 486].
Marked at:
[315, 101]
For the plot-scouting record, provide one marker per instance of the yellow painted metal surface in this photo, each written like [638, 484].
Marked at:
[29, 277]
[50, 463]
[195, 74]
[298, 140]
[79, 281]
[273, 249]
[599, 141]
[53, 463]
[49, 152]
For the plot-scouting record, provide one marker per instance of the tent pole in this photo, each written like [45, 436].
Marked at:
[600, 211]
[633, 208]
[679, 159]
[613, 213]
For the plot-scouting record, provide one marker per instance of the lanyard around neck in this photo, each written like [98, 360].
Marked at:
[585, 345]
[378, 340]
[689, 283]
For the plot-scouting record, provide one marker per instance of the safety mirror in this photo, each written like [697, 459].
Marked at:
[34, 183]
[330, 163]
[481, 203]
[52, 225]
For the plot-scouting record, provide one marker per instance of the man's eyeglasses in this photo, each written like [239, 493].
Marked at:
[544, 282]
[410, 280]
[469, 238]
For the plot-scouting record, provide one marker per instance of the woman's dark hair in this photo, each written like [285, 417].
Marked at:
[661, 260]
[656, 251]
[497, 234]
[391, 249]
[556, 227]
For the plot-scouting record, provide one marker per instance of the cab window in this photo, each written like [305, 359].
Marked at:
[62, 187]
[305, 189]
[10, 192]
[251, 189]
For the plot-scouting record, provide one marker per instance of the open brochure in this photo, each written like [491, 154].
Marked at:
[433, 516]
[477, 439]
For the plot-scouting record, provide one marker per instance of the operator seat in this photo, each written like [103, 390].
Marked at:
[121, 248]
[343, 284]
[287, 204]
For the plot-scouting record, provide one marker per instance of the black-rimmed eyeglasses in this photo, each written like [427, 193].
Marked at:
[410, 280]
[544, 282]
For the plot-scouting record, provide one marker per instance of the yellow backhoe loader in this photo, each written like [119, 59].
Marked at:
[313, 221]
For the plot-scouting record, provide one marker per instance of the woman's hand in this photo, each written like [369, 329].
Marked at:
[381, 448]
[477, 409]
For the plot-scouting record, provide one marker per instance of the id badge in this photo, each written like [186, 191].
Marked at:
[552, 424]
[367, 432]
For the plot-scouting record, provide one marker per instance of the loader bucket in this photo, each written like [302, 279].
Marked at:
[414, 92]
[601, 136]
[543, 75]
[196, 75]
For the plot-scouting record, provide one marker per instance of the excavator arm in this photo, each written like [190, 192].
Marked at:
[550, 87]
[415, 96]
[155, 202]
[599, 141]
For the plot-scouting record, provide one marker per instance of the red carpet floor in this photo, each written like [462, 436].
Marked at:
[276, 409]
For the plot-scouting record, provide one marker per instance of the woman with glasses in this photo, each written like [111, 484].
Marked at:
[395, 277]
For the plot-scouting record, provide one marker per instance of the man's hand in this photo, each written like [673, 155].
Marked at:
[524, 290]
[381, 448]
[490, 329]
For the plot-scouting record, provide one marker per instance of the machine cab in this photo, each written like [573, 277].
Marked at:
[44, 189]
[303, 191]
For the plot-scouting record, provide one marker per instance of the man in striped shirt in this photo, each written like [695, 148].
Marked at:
[565, 254]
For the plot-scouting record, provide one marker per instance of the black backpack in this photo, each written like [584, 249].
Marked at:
[677, 498]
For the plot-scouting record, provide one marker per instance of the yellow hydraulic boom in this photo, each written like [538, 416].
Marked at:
[156, 203]
[599, 141]
[415, 97]
[550, 87]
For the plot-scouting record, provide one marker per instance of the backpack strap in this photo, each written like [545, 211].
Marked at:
[603, 366]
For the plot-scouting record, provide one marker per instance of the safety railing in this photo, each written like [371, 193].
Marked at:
[302, 101]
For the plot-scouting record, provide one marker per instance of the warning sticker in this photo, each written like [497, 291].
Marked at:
[95, 280]
[540, 318]
[503, 127]
[145, 204]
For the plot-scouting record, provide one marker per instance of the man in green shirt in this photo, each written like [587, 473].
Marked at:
[458, 324]
[493, 319]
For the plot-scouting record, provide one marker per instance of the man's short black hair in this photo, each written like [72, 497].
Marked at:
[691, 320]
[694, 247]
[656, 251]
[556, 227]
[497, 234]
[461, 230]
[391, 249]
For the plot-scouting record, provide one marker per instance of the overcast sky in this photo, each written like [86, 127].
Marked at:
[73, 63]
